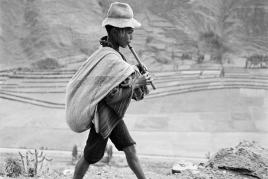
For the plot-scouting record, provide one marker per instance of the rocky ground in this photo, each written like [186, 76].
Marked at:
[117, 168]
[247, 160]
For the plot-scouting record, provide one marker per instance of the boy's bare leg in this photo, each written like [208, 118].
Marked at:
[80, 168]
[133, 161]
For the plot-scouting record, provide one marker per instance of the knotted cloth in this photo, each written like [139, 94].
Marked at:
[100, 73]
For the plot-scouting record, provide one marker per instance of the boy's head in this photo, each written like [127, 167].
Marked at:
[120, 36]
[120, 23]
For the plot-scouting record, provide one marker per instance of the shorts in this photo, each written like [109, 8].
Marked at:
[96, 144]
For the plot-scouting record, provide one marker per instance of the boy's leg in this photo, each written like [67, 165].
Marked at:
[80, 168]
[123, 142]
[93, 152]
[133, 161]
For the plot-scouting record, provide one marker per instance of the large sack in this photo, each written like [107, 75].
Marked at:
[102, 71]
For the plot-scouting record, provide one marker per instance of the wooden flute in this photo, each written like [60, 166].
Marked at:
[144, 70]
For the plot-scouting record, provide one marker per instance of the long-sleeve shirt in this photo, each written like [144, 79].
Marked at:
[113, 107]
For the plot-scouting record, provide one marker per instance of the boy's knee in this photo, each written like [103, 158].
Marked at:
[130, 150]
[82, 163]
[93, 158]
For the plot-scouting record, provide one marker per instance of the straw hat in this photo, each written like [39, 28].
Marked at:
[120, 15]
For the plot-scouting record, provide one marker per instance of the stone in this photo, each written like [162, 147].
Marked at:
[247, 158]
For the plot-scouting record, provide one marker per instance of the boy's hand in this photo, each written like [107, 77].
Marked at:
[142, 68]
[143, 80]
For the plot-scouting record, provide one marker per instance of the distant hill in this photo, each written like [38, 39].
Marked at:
[33, 30]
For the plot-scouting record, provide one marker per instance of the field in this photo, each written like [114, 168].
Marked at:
[188, 117]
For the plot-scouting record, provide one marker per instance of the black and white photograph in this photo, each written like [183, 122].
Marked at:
[134, 89]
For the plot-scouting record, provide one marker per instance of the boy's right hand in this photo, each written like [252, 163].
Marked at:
[143, 80]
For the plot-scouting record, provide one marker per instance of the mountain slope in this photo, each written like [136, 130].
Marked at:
[172, 30]
[34, 30]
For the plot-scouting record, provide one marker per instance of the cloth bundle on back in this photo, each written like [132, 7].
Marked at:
[91, 83]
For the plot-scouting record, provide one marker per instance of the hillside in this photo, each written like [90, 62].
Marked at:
[35, 30]
[172, 30]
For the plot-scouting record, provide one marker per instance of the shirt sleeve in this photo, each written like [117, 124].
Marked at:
[124, 88]
[140, 92]
[118, 99]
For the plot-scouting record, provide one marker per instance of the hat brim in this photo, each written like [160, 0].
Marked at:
[121, 23]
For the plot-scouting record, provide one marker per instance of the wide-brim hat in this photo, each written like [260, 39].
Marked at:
[120, 15]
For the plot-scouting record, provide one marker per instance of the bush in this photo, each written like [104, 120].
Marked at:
[74, 154]
[32, 162]
[109, 150]
[45, 64]
[12, 167]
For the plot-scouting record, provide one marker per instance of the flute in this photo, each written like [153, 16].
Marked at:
[144, 70]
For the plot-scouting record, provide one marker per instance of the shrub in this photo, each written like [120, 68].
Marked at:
[109, 151]
[12, 167]
[32, 162]
[74, 154]
[47, 63]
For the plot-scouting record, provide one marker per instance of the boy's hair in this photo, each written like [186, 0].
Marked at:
[110, 27]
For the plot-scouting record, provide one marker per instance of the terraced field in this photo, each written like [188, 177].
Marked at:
[47, 88]
[214, 111]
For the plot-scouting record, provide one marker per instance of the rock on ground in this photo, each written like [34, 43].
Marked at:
[247, 160]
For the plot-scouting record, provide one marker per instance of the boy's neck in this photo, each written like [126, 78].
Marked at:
[115, 46]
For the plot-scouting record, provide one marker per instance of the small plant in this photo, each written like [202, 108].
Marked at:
[208, 155]
[12, 167]
[108, 154]
[32, 162]
[109, 151]
[74, 154]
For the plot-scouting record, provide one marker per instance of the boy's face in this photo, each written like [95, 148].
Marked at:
[124, 36]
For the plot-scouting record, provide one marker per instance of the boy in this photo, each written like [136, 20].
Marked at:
[112, 89]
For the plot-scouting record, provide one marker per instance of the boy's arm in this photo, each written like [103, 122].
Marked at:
[133, 85]
[119, 97]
